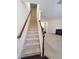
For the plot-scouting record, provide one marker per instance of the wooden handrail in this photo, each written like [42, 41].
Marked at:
[43, 33]
[19, 36]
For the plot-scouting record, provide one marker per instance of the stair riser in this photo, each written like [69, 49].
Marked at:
[26, 55]
[32, 41]
[32, 32]
[32, 36]
[32, 29]
[30, 51]
[31, 44]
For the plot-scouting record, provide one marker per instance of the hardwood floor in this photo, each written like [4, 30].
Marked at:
[34, 57]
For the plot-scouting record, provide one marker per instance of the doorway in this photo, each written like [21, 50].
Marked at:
[33, 11]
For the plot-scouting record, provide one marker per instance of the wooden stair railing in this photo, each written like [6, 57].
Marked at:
[19, 36]
[43, 33]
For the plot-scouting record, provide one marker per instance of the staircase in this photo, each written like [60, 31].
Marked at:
[31, 44]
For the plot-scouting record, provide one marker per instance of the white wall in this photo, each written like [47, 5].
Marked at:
[53, 25]
[22, 13]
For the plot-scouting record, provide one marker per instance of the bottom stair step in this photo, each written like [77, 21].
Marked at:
[32, 54]
[29, 51]
[34, 57]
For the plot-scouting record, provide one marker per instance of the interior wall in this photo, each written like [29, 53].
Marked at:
[53, 25]
[22, 13]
